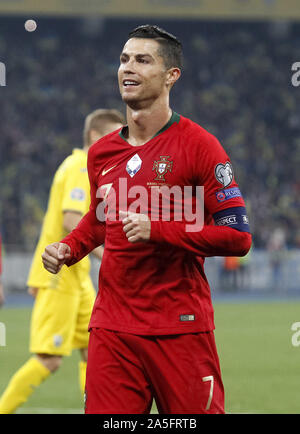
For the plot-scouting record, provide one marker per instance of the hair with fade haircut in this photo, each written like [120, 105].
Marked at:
[170, 47]
[97, 119]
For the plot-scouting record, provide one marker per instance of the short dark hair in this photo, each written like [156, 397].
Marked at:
[170, 46]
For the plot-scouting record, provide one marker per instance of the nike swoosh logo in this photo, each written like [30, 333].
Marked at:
[105, 171]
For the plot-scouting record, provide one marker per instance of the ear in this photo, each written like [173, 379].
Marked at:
[94, 135]
[173, 75]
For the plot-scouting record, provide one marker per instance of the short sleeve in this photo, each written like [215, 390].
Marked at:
[76, 196]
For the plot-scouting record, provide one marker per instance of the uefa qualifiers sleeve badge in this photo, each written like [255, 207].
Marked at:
[224, 173]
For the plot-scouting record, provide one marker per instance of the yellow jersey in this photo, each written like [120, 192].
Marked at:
[70, 191]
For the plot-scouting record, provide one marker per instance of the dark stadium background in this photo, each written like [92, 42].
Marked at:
[236, 83]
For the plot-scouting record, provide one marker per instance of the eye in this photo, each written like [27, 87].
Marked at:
[142, 60]
[123, 59]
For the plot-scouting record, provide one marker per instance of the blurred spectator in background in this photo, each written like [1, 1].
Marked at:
[229, 273]
[234, 273]
[277, 255]
[243, 271]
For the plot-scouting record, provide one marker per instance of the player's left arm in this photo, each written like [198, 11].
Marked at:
[209, 241]
[222, 198]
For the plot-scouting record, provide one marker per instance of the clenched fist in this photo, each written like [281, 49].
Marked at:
[55, 255]
[137, 227]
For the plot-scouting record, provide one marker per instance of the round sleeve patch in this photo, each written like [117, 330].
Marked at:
[77, 194]
[224, 173]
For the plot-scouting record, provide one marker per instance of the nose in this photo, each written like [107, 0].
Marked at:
[128, 71]
[125, 71]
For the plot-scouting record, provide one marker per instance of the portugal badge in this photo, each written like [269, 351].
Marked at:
[161, 167]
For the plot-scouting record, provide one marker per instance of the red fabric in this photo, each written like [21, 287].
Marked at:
[125, 371]
[88, 235]
[147, 288]
[90, 232]
[210, 241]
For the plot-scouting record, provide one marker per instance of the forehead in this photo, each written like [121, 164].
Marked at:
[136, 46]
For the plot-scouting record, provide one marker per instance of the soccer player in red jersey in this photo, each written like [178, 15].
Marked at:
[152, 326]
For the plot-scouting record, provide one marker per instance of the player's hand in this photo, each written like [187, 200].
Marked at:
[137, 227]
[32, 291]
[55, 255]
[1, 295]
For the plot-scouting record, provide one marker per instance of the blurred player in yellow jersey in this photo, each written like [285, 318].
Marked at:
[63, 302]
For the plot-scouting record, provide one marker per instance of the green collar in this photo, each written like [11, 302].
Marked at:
[174, 118]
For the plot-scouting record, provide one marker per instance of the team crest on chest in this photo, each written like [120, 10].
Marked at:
[161, 167]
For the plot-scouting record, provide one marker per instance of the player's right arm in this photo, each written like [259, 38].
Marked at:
[88, 235]
[84, 239]
[71, 220]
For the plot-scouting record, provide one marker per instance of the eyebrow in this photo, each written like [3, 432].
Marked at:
[137, 55]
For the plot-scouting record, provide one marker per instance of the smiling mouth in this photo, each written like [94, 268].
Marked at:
[129, 83]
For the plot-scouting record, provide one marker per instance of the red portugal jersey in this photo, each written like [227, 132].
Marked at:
[155, 288]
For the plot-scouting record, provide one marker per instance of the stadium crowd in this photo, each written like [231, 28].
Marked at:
[236, 83]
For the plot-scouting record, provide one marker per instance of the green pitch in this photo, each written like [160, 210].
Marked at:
[260, 366]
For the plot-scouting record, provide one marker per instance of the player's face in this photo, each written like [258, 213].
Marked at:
[142, 74]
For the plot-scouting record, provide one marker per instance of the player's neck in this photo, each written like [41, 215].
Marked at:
[144, 123]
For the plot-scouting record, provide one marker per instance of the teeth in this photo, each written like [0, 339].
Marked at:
[128, 83]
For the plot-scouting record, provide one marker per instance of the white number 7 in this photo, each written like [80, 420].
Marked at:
[106, 188]
[211, 391]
